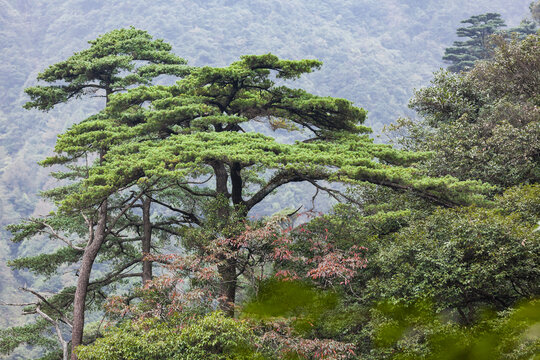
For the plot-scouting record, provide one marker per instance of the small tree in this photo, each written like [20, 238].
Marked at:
[464, 54]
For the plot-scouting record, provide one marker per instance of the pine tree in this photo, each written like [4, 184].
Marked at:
[199, 128]
[114, 62]
[463, 54]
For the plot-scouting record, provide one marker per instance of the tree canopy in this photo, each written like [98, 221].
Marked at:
[484, 124]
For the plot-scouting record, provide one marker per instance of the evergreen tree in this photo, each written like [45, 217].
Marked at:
[114, 62]
[463, 54]
[200, 131]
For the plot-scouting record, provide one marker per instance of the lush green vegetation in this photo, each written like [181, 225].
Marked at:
[157, 248]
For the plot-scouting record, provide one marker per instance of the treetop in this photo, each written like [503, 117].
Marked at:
[109, 65]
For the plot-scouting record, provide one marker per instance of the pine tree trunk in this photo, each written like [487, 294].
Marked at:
[89, 256]
[228, 286]
[227, 270]
[146, 240]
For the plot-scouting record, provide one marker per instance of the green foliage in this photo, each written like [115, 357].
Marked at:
[35, 334]
[463, 259]
[464, 54]
[201, 120]
[195, 128]
[415, 331]
[47, 264]
[295, 300]
[512, 74]
[448, 98]
[483, 124]
[434, 275]
[213, 336]
[103, 67]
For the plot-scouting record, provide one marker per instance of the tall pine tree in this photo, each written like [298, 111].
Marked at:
[114, 62]
[200, 126]
[463, 54]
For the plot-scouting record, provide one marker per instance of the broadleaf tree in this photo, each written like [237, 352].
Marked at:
[483, 124]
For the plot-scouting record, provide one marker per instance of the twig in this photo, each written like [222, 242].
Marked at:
[60, 237]
[46, 302]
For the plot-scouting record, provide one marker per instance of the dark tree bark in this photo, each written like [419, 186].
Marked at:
[236, 184]
[146, 239]
[227, 270]
[96, 239]
[89, 256]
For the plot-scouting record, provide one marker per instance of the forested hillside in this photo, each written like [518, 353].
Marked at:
[136, 168]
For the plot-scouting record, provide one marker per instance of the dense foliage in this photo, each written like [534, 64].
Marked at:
[483, 124]
[214, 337]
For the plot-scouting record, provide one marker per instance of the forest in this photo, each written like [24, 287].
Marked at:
[239, 204]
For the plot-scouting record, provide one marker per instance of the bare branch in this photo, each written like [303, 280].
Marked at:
[109, 278]
[46, 302]
[332, 192]
[281, 178]
[196, 193]
[126, 208]
[190, 216]
[195, 182]
[60, 237]
[2, 303]
[313, 199]
[61, 340]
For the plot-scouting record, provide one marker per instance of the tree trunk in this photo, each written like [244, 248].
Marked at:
[236, 185]
[146, 239]
[89, 255]
[227, 272]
